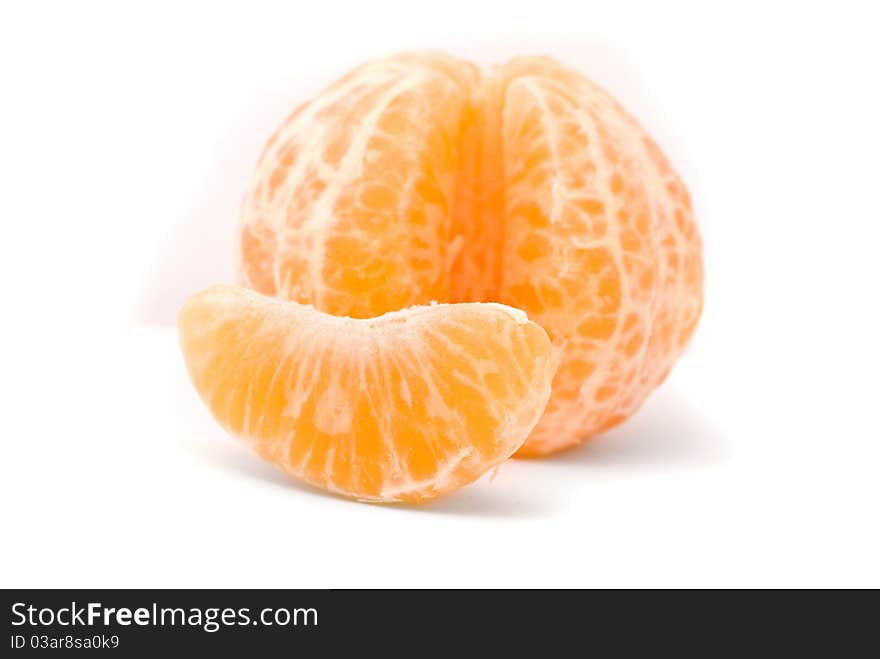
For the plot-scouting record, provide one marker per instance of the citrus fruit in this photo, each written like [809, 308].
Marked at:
[403, 407]
[421, 177]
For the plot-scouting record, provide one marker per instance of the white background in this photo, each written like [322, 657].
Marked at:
[127, 136]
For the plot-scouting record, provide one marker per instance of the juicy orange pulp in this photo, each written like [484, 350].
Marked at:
[421, 177]
[403, 407]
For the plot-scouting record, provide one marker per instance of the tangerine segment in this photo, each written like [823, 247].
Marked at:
[403, 407]
[599, 247]
[522, 183]
[379, 152]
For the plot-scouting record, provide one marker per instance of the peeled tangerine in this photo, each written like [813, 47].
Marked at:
[422, 177]
[403, 407]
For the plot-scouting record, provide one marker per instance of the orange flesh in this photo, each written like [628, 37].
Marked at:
[421, 178]
[404, 407]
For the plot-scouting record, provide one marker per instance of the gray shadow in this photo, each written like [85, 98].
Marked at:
[488, 501]
[668, 433]
[474, 501]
